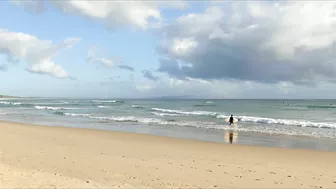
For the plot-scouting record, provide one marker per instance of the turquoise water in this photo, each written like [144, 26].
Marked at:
[296, 118]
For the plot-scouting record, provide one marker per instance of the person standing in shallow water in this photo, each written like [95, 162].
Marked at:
[231, 119]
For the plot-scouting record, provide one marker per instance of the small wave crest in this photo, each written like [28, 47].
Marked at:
[321, 106]
[76, 115]
[10, 103]
[137, 106]
[71, 114]
[102, 106]
[167, 114]
[108, 101]
[53, 108]
[200, 105]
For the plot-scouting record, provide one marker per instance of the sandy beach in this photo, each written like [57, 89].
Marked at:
[58, 157]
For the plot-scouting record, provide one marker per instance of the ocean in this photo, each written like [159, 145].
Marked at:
[280, 123]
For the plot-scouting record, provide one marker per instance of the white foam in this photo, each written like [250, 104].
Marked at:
[10, 103]
[147, 120]
[102, 106]
[209, 125]
[106, 101]
[166, 114]
[118, 119]
[53, 108]
[77, 115]
[300, 123]
[185, 112]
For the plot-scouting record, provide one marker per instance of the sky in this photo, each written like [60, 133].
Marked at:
[145, 49]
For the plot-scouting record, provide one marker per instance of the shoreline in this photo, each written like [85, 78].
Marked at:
[203, 134]
[160, 136]
[47, 156]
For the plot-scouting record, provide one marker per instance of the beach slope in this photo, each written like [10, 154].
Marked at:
[58, 157]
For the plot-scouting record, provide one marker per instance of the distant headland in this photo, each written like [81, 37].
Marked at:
[6, 96]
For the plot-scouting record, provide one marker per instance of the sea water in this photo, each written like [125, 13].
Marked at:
[284, 123]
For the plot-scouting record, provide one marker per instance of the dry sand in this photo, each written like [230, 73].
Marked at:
[58, 157]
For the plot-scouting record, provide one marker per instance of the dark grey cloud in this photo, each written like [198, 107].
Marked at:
[148, 74]
[126, 67]
[252, 41]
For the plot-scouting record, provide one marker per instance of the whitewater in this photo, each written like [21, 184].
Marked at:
[301, 118]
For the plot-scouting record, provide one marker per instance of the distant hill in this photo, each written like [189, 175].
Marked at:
[174, 97]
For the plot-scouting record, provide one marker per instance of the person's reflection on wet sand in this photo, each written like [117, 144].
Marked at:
[230, 136]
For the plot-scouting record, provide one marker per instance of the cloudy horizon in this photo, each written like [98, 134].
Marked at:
[147, 49]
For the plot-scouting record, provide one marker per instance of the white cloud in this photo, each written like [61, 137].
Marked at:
[183, 46]
[302, 24]
[96, 55]
[140, 14]
[37, 53]
[260, 41]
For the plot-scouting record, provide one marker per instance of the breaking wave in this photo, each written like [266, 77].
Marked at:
[300, 123]
[248, 119]
[205, 125]
[288, 122]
